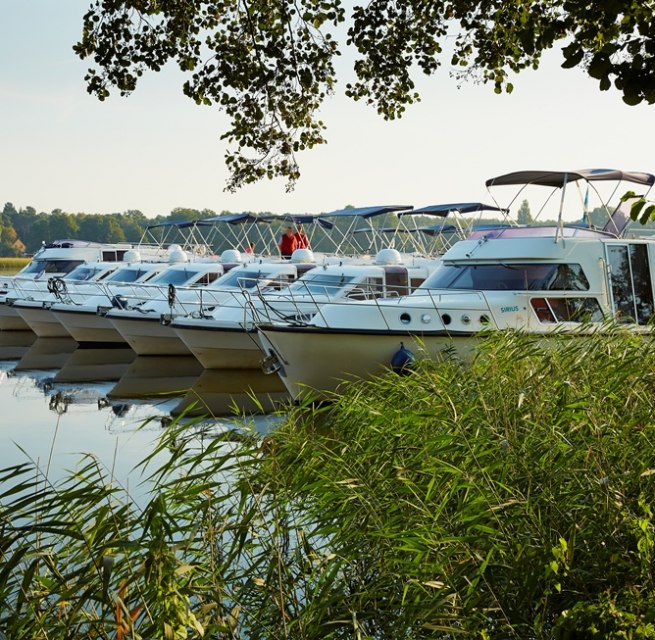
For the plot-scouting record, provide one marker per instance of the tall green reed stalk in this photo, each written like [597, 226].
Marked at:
[508, 497]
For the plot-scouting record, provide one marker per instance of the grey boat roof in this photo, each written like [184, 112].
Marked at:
[442, 210]
[560, 178]
[365, 212]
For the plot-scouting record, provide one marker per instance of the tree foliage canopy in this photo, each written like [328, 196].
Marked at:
[270, 64]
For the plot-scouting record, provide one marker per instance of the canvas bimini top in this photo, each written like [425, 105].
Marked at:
[443, 210]
[365, 212]
[560, 178]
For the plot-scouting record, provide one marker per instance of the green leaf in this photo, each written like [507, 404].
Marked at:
[648, 214]
[636, 208]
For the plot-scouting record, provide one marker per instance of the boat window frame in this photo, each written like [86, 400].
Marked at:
[559, 309]
[328, 284]
[572, 272]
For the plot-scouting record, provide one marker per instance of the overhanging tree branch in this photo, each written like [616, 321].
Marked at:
[270, 67]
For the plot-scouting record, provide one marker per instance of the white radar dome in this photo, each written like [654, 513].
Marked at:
[132, 256]
[388, 256]
[302, 256]
[230, 256]
[177, 255]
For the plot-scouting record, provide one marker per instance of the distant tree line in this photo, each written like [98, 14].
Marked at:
[23, 230]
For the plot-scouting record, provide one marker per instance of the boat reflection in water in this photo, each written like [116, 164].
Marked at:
[221, 393]
[116, 377]
[96, 365]
[14, 344]
[154, 376]
[46, 354]
[217, 393]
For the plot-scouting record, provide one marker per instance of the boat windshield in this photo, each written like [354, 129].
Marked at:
[320, 284]
[85, 272]
[128, 274]
[511, 276]
[242, 278]
[175, 276]
[50, 266]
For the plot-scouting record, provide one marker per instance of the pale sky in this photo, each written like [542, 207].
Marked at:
[157, 150]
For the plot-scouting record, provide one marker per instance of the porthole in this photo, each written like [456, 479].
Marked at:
[465, 319]
[446, 319]
[405, 318]
[426, 318]
[484, 319]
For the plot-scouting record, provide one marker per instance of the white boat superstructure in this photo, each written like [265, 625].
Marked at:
[226, 339]
[34, 302]
[55, 260]
[540, 279]
[58, 258]
[83, 314]
[147, 327]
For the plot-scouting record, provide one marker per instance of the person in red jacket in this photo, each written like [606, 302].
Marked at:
[302, 241]
[288, 243]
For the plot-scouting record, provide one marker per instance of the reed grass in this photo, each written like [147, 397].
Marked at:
[508, 497]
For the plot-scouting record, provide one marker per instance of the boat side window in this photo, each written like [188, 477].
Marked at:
[368, 289]
[173, 276]
[241, 278]
[397, 281]
[145, 276]
[62, 266]
[83, 272]
[374, 286]
[130, 275]
[121, 275]
[415, 283]
[632, 289]
[320, 283]
[51, 266]
[280, 282]
[553, 310]
[110, 256]
[206, 278]
[330, 285]
[249, 279]
[509, 276]
[566, 277]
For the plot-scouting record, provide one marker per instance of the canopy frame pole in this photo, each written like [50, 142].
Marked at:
[560, 218]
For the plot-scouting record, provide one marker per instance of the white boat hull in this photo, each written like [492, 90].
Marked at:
[319, 362]
[148, 337]
[89, 327]
[42, 321]
[10, 320]
[220, 347]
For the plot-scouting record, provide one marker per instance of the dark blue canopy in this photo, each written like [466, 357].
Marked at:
[236, 218]
[442, 210]
[560, 178]
[230, 218]
[178, 224]
[364, 212]
[299, 218]
[435, 230]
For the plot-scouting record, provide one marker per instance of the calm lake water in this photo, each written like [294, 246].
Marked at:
[59, 402]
